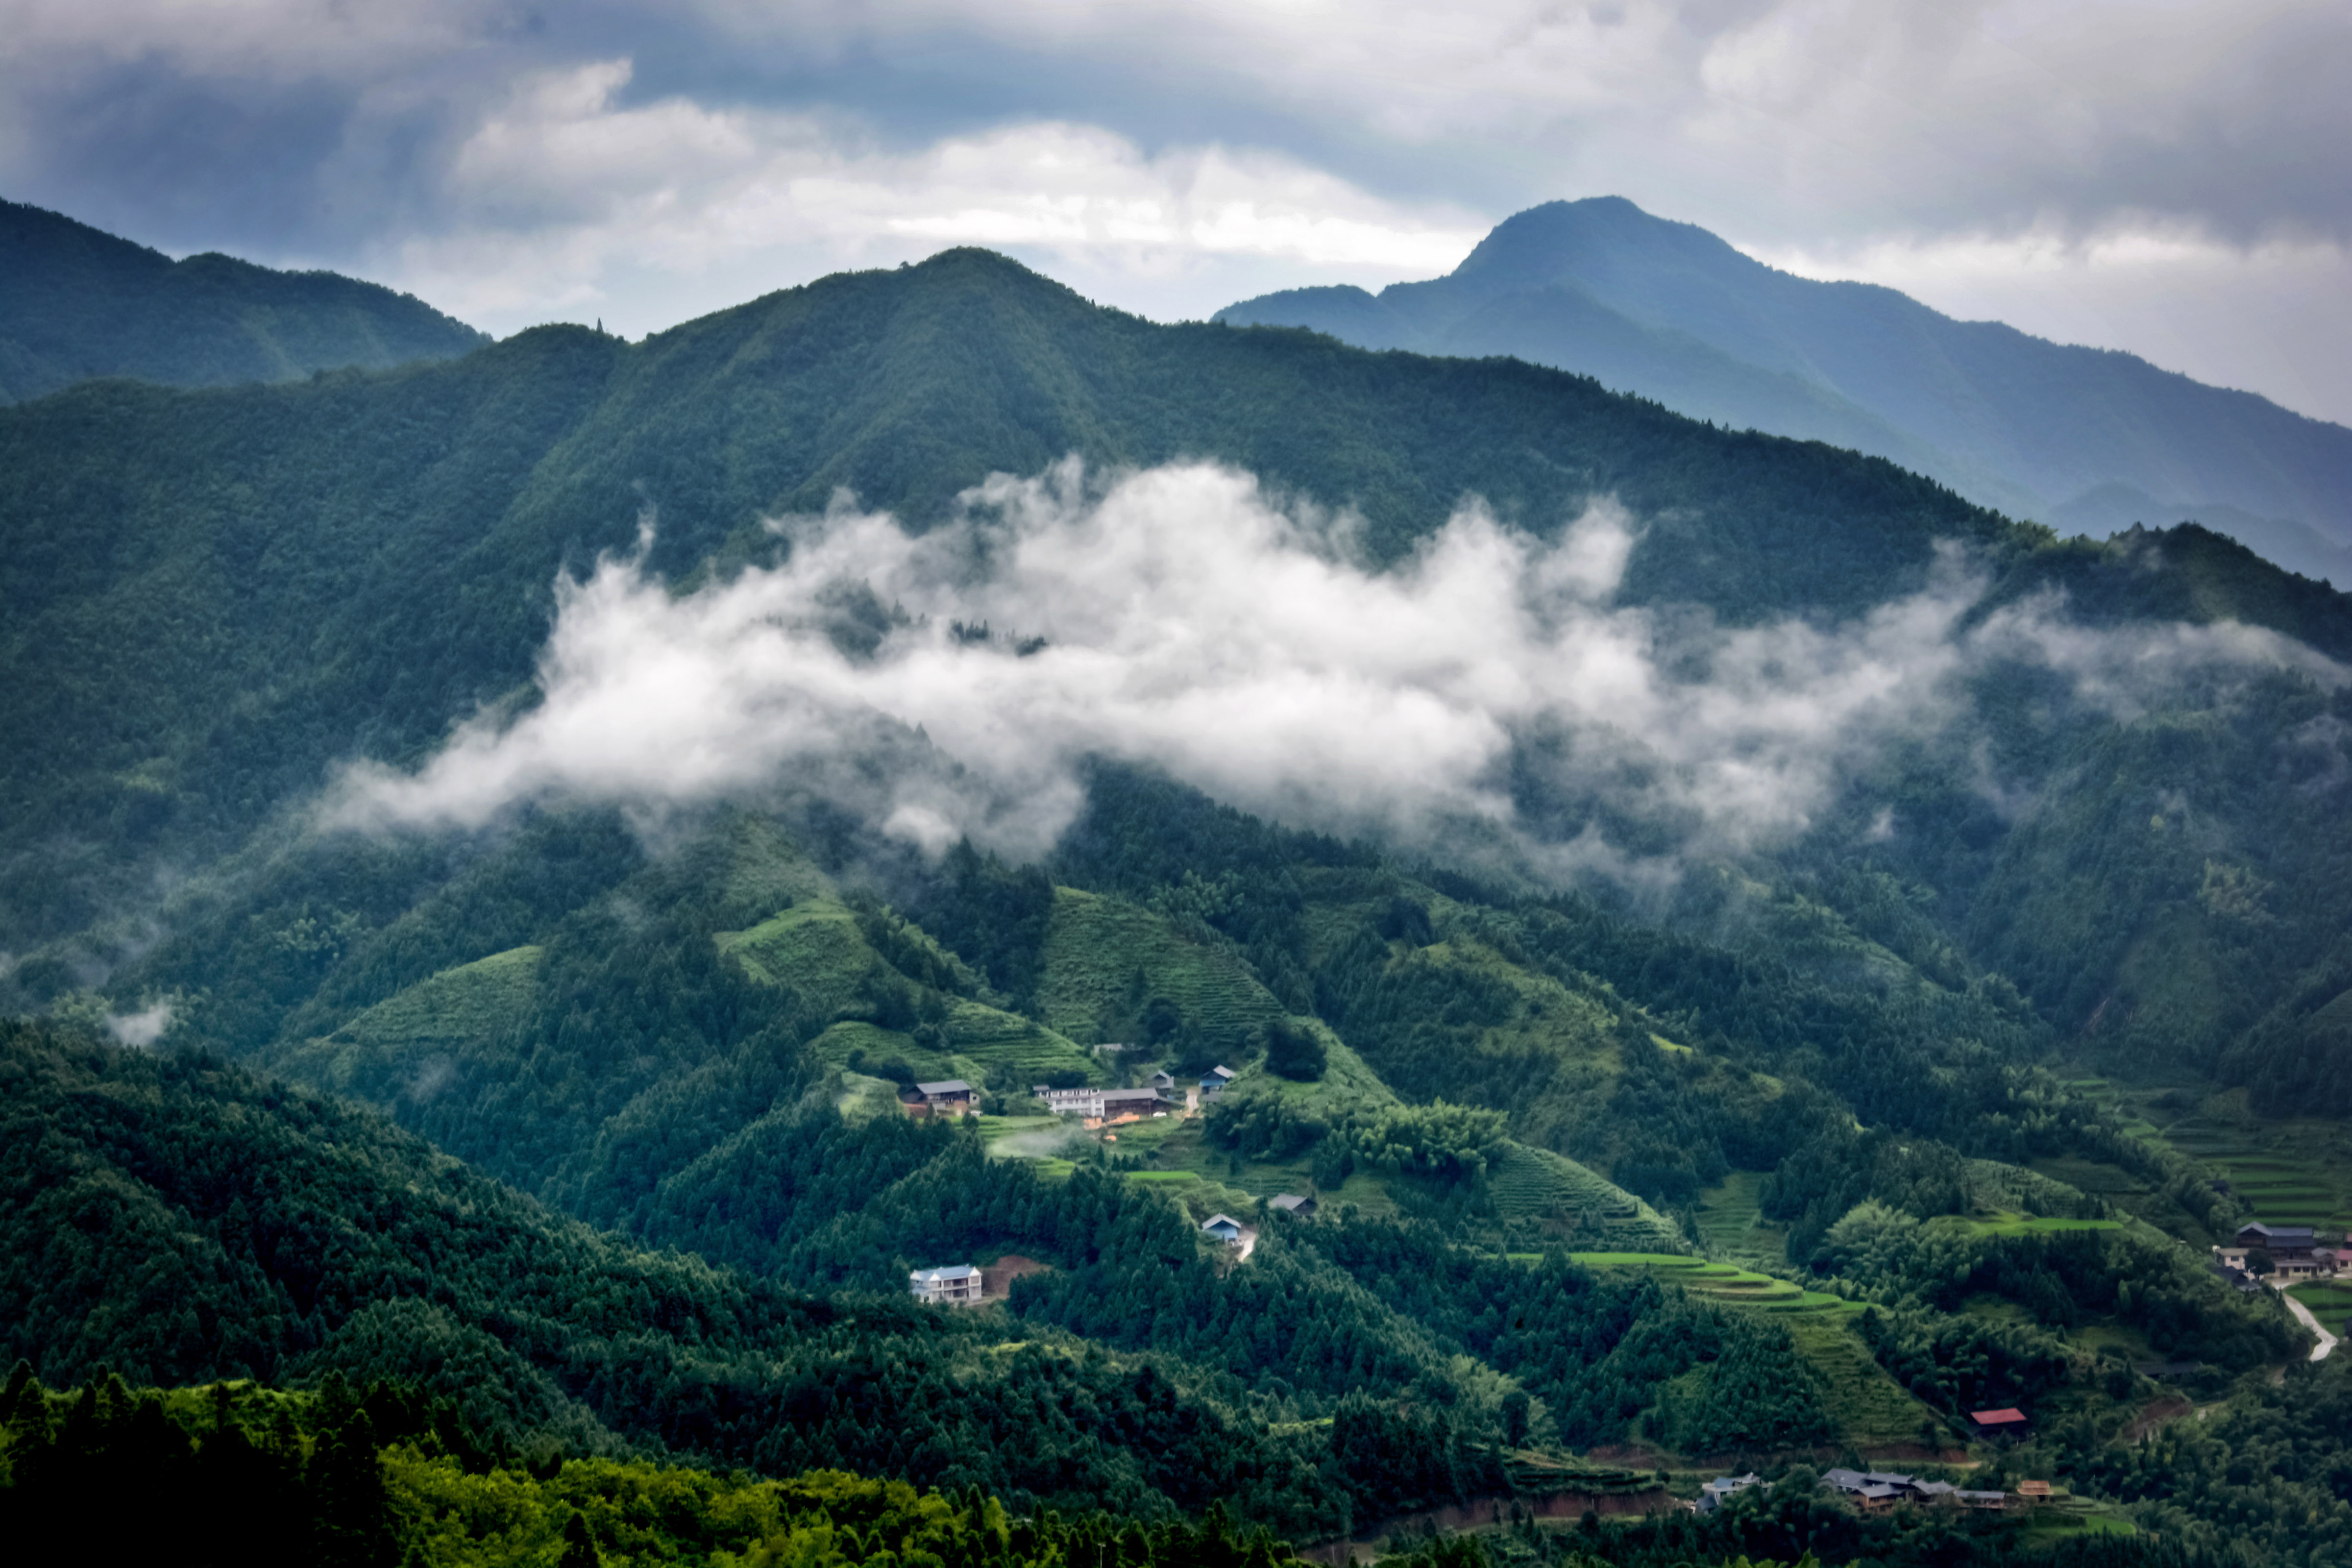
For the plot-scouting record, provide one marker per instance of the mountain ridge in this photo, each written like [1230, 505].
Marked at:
[78, 303]
[2035, 428]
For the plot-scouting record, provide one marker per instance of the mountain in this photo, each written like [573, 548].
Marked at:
[1631, 1132]
[217, 600]
[78, 303]
[2084, 440]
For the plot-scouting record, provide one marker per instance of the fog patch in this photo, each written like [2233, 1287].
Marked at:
[141, 1029]
[431, 1076]
[1488, 688]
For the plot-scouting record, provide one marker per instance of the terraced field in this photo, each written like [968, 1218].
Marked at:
[2330, 1302]
[1874, 1413]
[403, 1043]
[1722, 1283]
[814, 947]
[1731, 1222]
[2290, 1173]
[1537, 1187]
[1095, 948]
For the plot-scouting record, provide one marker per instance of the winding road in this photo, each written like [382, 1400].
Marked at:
[2303, 1314]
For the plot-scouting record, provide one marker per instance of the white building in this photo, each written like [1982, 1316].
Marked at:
[957, 1285]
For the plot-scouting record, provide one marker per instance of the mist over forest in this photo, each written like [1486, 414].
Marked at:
[548, 884]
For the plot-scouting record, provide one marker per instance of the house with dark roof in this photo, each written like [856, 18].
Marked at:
[1134, 1103]
[948, 1096]
[1213, 1081]
[1291, 1202]
[2237, 1278]
[1877, 1489]
[1872, 1490]
[2281, 1241]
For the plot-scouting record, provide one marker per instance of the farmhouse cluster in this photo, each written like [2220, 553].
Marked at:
[2285, 1254]
[1874, 1491]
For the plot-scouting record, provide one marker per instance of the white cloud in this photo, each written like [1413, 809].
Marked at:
[566, 185]
[1192, 624]
[143, 1028]
[1172, 155]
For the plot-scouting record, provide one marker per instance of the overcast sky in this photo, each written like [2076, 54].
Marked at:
[2167, 176]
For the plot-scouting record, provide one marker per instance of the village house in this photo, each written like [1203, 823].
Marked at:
[949, 1096]
[2237, 1278]
[2293, 1251]
[2005, 1423]
[1080, 1101]
[1104, 1105]
[1995, 1500]
[1291, 1202]
[1225, 1227]
[1876, 1490]
[2032, 1493]
[1213, 1081]
[1713, 1495]
[1164, 1081]
[2281, 1241]
[957, 1285]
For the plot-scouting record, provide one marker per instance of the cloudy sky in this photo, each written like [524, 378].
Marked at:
[2163, 175]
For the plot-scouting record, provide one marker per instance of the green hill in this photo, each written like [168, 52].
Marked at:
[76, 303]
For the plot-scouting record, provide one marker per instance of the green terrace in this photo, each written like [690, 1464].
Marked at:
[1724, 1282]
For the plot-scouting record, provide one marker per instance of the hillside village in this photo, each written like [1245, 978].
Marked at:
[2256, 1258]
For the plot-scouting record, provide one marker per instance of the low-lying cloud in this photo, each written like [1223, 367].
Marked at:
[1183, 618]
[143, 1028]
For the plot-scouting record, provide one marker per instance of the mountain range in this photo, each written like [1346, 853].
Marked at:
[1756, 956]
[2086, 440]
[77, 302]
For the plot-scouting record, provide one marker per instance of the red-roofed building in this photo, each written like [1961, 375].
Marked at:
[1999, 1420]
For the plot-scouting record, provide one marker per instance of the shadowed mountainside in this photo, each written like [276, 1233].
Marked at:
[76, 303]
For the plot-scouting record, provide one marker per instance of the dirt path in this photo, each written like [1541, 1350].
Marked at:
[2303, 1315]
[1249, 1244]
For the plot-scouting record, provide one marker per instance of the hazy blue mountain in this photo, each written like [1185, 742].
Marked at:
[76, 303]
[2072, 436]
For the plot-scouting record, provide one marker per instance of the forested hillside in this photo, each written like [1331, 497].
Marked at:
[1706, 1077]
[76, 303]
[2083, 439]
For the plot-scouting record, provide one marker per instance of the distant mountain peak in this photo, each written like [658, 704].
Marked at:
[1672, 312]
[77, 302]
